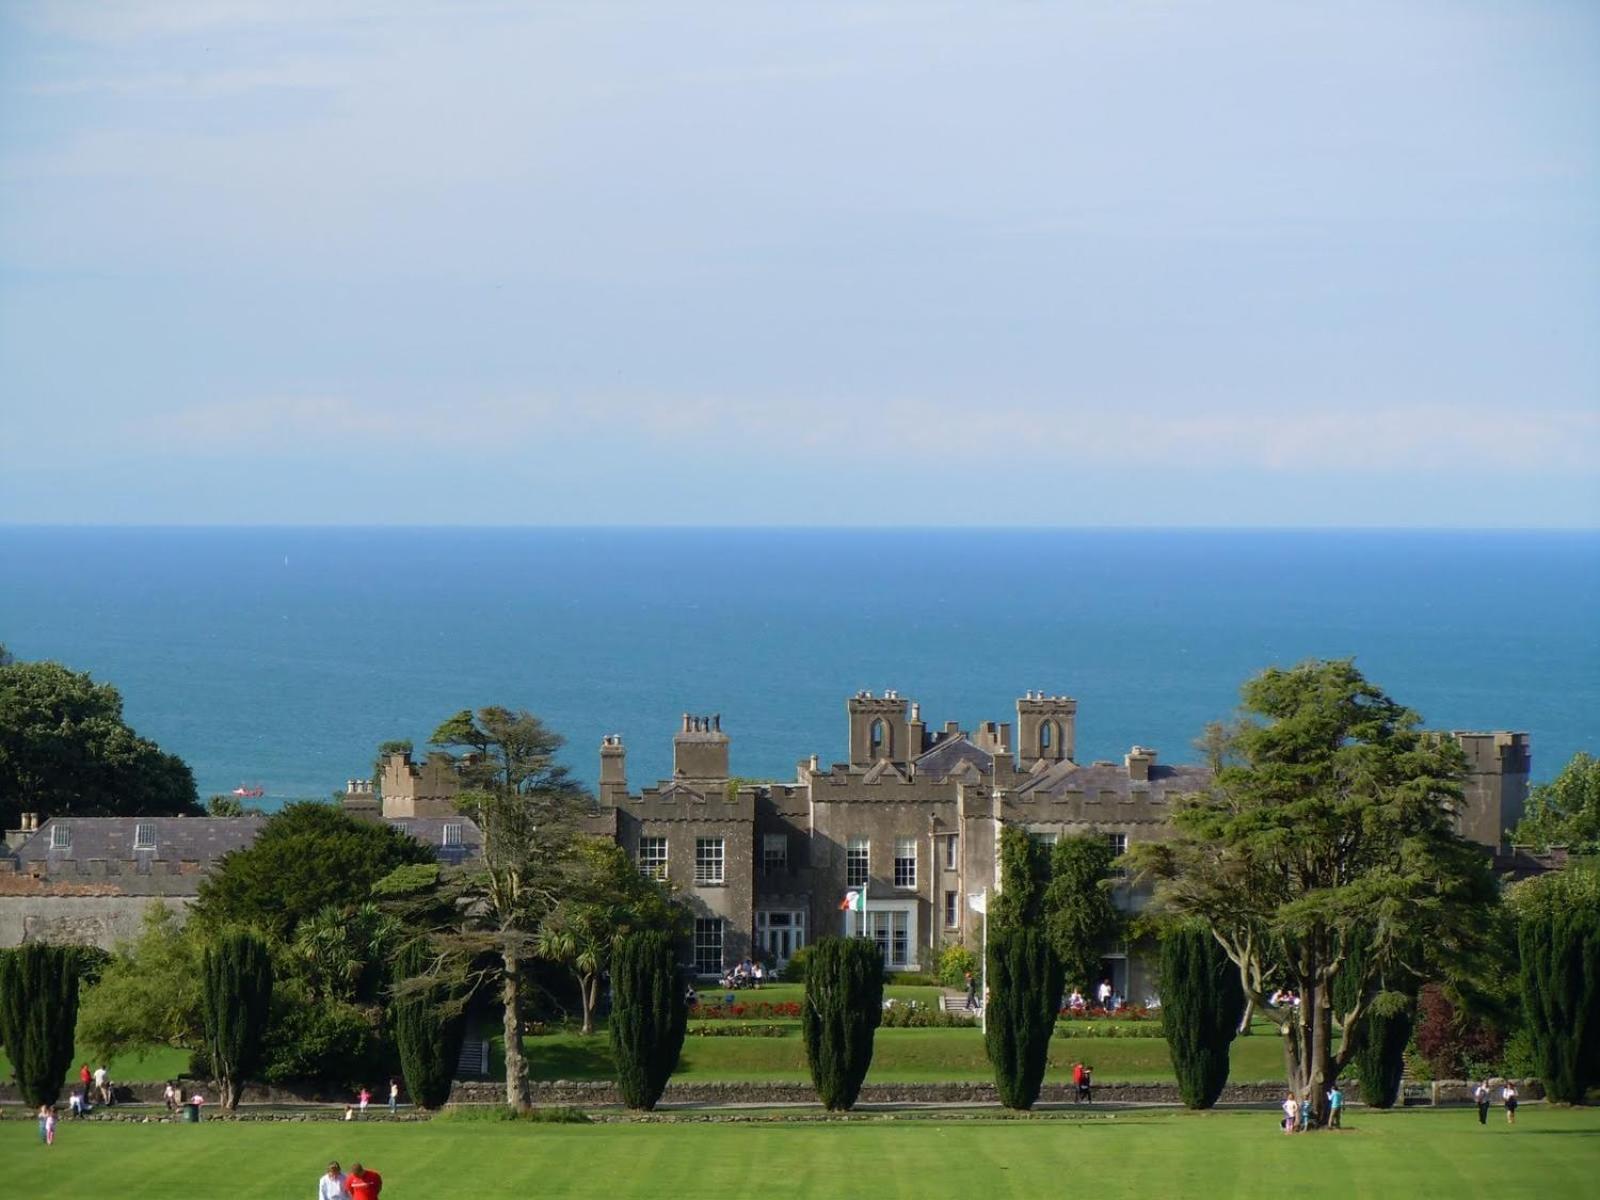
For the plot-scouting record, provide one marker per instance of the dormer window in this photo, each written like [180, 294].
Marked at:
[144, 836]
[60, 837]
[452, 834]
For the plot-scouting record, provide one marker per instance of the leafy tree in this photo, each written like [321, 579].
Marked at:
[1080, 917]
[606, 898]
[235, 1006]
[428, 1029]
[526, 808]
[341, 953]
[308, 857]
[38, 1013]
[1201, 1002]
[1025, 981]
[839, 1014]
[1024, 876]
[1558, 937]
[149, 994]
[1565, 811]
[1455, 1042]
[65, 750]
[649, 1016]
[1334, 828]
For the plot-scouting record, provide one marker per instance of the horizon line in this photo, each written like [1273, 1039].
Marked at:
[786, 526]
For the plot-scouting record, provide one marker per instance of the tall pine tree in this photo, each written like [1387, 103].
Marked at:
[235, 1003]
[1560, 960]
[1025, 979]
[1201, 1003]
[38, 1016]
[429, 1025]
[649, 1016]
[840, 1013]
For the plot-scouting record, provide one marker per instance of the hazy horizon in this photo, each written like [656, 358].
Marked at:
[279, 262]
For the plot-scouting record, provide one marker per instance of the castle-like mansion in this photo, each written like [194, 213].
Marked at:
[912, 817]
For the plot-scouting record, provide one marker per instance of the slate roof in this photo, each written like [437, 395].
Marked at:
[949, 754]
[430, 832]
[1065, 777]
[177, 839]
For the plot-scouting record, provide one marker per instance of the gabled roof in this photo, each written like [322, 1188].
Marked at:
[951, 753]
[884, 769]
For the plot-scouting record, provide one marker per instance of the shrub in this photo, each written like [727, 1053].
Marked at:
[555, 1114]
[1380, 1055]
[429, 1025]
[1201, 1003]
[794, 970]
[752, 1031]
[648, 1016]
[235, 1005]
[1560, 961]
[922, 1016]
[38, 1014]
[843, 1006]
[954, 964]
[1454, 1044]
[1024, 993]
[332, 1043]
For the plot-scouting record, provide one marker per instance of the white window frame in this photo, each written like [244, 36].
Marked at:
[710, 858]
[858, 862]
[653, 865]
[1119, 846]
[704, 927]
[905, 863]
[61, 837]
[893, 926]
[144, 835]
[952, 859]
[952, 910]
[771, 862]
[451, 834]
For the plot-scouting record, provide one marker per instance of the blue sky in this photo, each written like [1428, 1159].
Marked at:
[1121, 263]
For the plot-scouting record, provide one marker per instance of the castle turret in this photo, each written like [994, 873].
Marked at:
[1496, 787]
[1046, 729]
[878, 729]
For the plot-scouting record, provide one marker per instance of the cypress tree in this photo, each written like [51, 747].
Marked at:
[428, 1026]
[39, 1016]
[1201, 1003]
[1025, 979]
[235, 1004]
[1380, 1038]
[648, 1016]
[842, 1007]
[1559, 951]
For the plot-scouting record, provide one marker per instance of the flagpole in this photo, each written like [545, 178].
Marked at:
[983, 1005]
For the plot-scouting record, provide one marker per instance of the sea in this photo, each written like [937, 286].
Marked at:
[282, 657]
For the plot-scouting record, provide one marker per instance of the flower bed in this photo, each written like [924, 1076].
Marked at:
[742, 1010]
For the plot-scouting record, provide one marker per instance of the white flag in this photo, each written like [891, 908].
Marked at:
[978, 902]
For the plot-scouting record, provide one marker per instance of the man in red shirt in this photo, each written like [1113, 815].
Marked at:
[362, 1184]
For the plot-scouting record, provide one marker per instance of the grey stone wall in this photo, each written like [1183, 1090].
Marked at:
[81, 920]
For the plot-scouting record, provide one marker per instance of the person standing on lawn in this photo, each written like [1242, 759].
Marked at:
[1481, 1096]
[330, 1186]
[1335, 1106]
[394, 1095]
[1291, 1113]
[1509, 1095]
[362, 1184]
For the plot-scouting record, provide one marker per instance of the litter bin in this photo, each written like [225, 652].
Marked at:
[191, 1113]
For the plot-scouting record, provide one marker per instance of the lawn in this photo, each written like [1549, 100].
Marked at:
[1417, 1153]
[898, 1056]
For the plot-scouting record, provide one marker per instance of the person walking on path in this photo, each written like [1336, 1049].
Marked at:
[365, 1097]
[972, 991]
[1335, 1106]
[1480, 1096]
[85, 1078]
[362, 1184]
[330, 1185]
[1077, 1082]
[102, 1084]
[1086, 1088]
[394, 1095]
[1509, 1095]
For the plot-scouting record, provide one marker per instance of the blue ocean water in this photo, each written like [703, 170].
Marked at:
[284, 656]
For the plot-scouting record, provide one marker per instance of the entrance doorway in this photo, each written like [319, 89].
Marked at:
[781, 932]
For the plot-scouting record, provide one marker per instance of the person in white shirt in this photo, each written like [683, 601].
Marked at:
[1103, 992]
[330, 1186]
[1291, 1113]
[102, 1084]
[1480, 1096]
[1508, 1094]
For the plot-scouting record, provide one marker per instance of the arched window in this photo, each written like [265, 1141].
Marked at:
[1047, 734]
[877, 737]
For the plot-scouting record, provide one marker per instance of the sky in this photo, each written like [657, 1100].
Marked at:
[264, 261]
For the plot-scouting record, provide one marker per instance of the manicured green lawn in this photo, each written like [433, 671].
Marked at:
[898, 1056]
[155, 1064]
[1551, 1152]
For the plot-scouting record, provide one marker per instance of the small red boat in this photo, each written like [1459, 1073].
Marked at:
[252, 793]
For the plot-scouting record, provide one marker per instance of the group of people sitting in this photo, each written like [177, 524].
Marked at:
[1106, 997]
[744, 974]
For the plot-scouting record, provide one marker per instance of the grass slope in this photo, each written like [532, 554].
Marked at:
[1552, 1152]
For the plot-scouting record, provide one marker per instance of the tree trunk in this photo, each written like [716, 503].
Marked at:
[517, 1095]
[228, 1090]
[589, 993]
[1308, 1050]
[1249, 1015]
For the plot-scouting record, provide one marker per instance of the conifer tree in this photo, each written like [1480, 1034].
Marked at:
[429, 1025]
[1560, 960]
[235, 1003]
[1025, 979]
[1201, 1002]
[38, 1016]
[1380, 1037]
[841, 1011]
[648, 1016]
